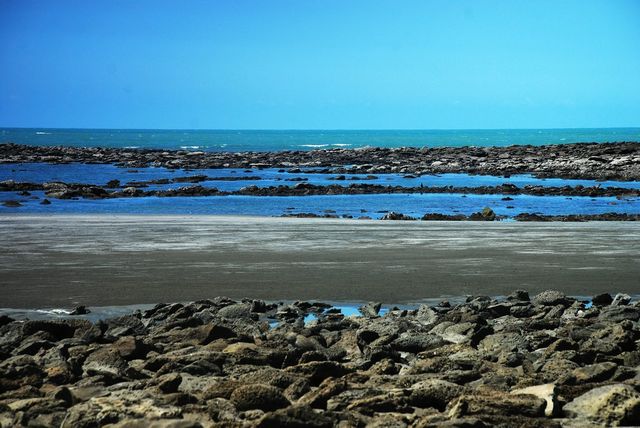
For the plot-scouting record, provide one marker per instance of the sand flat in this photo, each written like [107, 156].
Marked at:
[61, 261]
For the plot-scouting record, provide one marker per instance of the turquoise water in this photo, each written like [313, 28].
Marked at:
[257, 140]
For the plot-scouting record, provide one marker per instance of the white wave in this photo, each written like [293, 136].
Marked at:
[131, 147]
[53, 311]
[341, 144]
[312, 145]
[43, 133]
[189, 147]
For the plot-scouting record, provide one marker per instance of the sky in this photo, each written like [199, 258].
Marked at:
[297, 64]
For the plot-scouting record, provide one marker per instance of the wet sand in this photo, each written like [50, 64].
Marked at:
[62, 261]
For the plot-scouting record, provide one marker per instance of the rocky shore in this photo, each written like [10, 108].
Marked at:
[609, 161]
[548, 361]
[61, 190]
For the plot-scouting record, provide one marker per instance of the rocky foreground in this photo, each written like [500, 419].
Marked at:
[546, 361]
[610, 161]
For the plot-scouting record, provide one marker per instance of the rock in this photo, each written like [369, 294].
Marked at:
[547, 392]
[434, 393]
[12, 204]
[317, 371]
[610, 405]
[220, 410]
[370, 309]
[603, 299]
[105, 362]
[594, 372]
[19, 371]
[296, 417]
[151, 423]
[126, 325]
[318, 397]
[621, 299]
[169, 383]
[79, 310]
[417, 342]
[130, 347]
[396, 216]
[118, 406]
[237, 311]
[461, 332]
[610, 340]
[497, 403]
[258, 396]
[426, 315]
[552, 298]
[619, 313]
[486, 214]
[45, 201]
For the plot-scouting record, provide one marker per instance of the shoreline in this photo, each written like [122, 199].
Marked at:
[620, 161]
[542, 360]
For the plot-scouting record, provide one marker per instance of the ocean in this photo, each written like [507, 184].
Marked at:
[275, 140]
[373, 206]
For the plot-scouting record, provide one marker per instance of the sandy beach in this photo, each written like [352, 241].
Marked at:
[63, 261]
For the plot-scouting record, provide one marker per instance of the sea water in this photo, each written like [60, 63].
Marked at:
[373, 206]
[274, 140]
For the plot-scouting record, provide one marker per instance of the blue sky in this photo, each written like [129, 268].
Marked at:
[320, 64]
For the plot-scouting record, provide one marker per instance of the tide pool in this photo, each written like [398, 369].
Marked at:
[374, 206]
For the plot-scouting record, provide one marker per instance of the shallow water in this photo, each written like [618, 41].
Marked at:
[373, 206]
[100, 174]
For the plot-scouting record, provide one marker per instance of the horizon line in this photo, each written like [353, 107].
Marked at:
[316, 129]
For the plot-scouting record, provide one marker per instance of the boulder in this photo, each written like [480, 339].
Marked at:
[621, 299]
[603, 299]
[609, 405]
[434, 393]
[370, 309]
[552, 298]
[497, 403]
[296, 417]
[258, 396]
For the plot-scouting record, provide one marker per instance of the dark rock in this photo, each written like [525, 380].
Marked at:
[519, 296]
[296, 417]
[603, 299]
[620, 313]
[258, 396]
[317, 371]
[434, 393]
[169, 383]
[80, 310]
[396, 216]
[417, 342]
